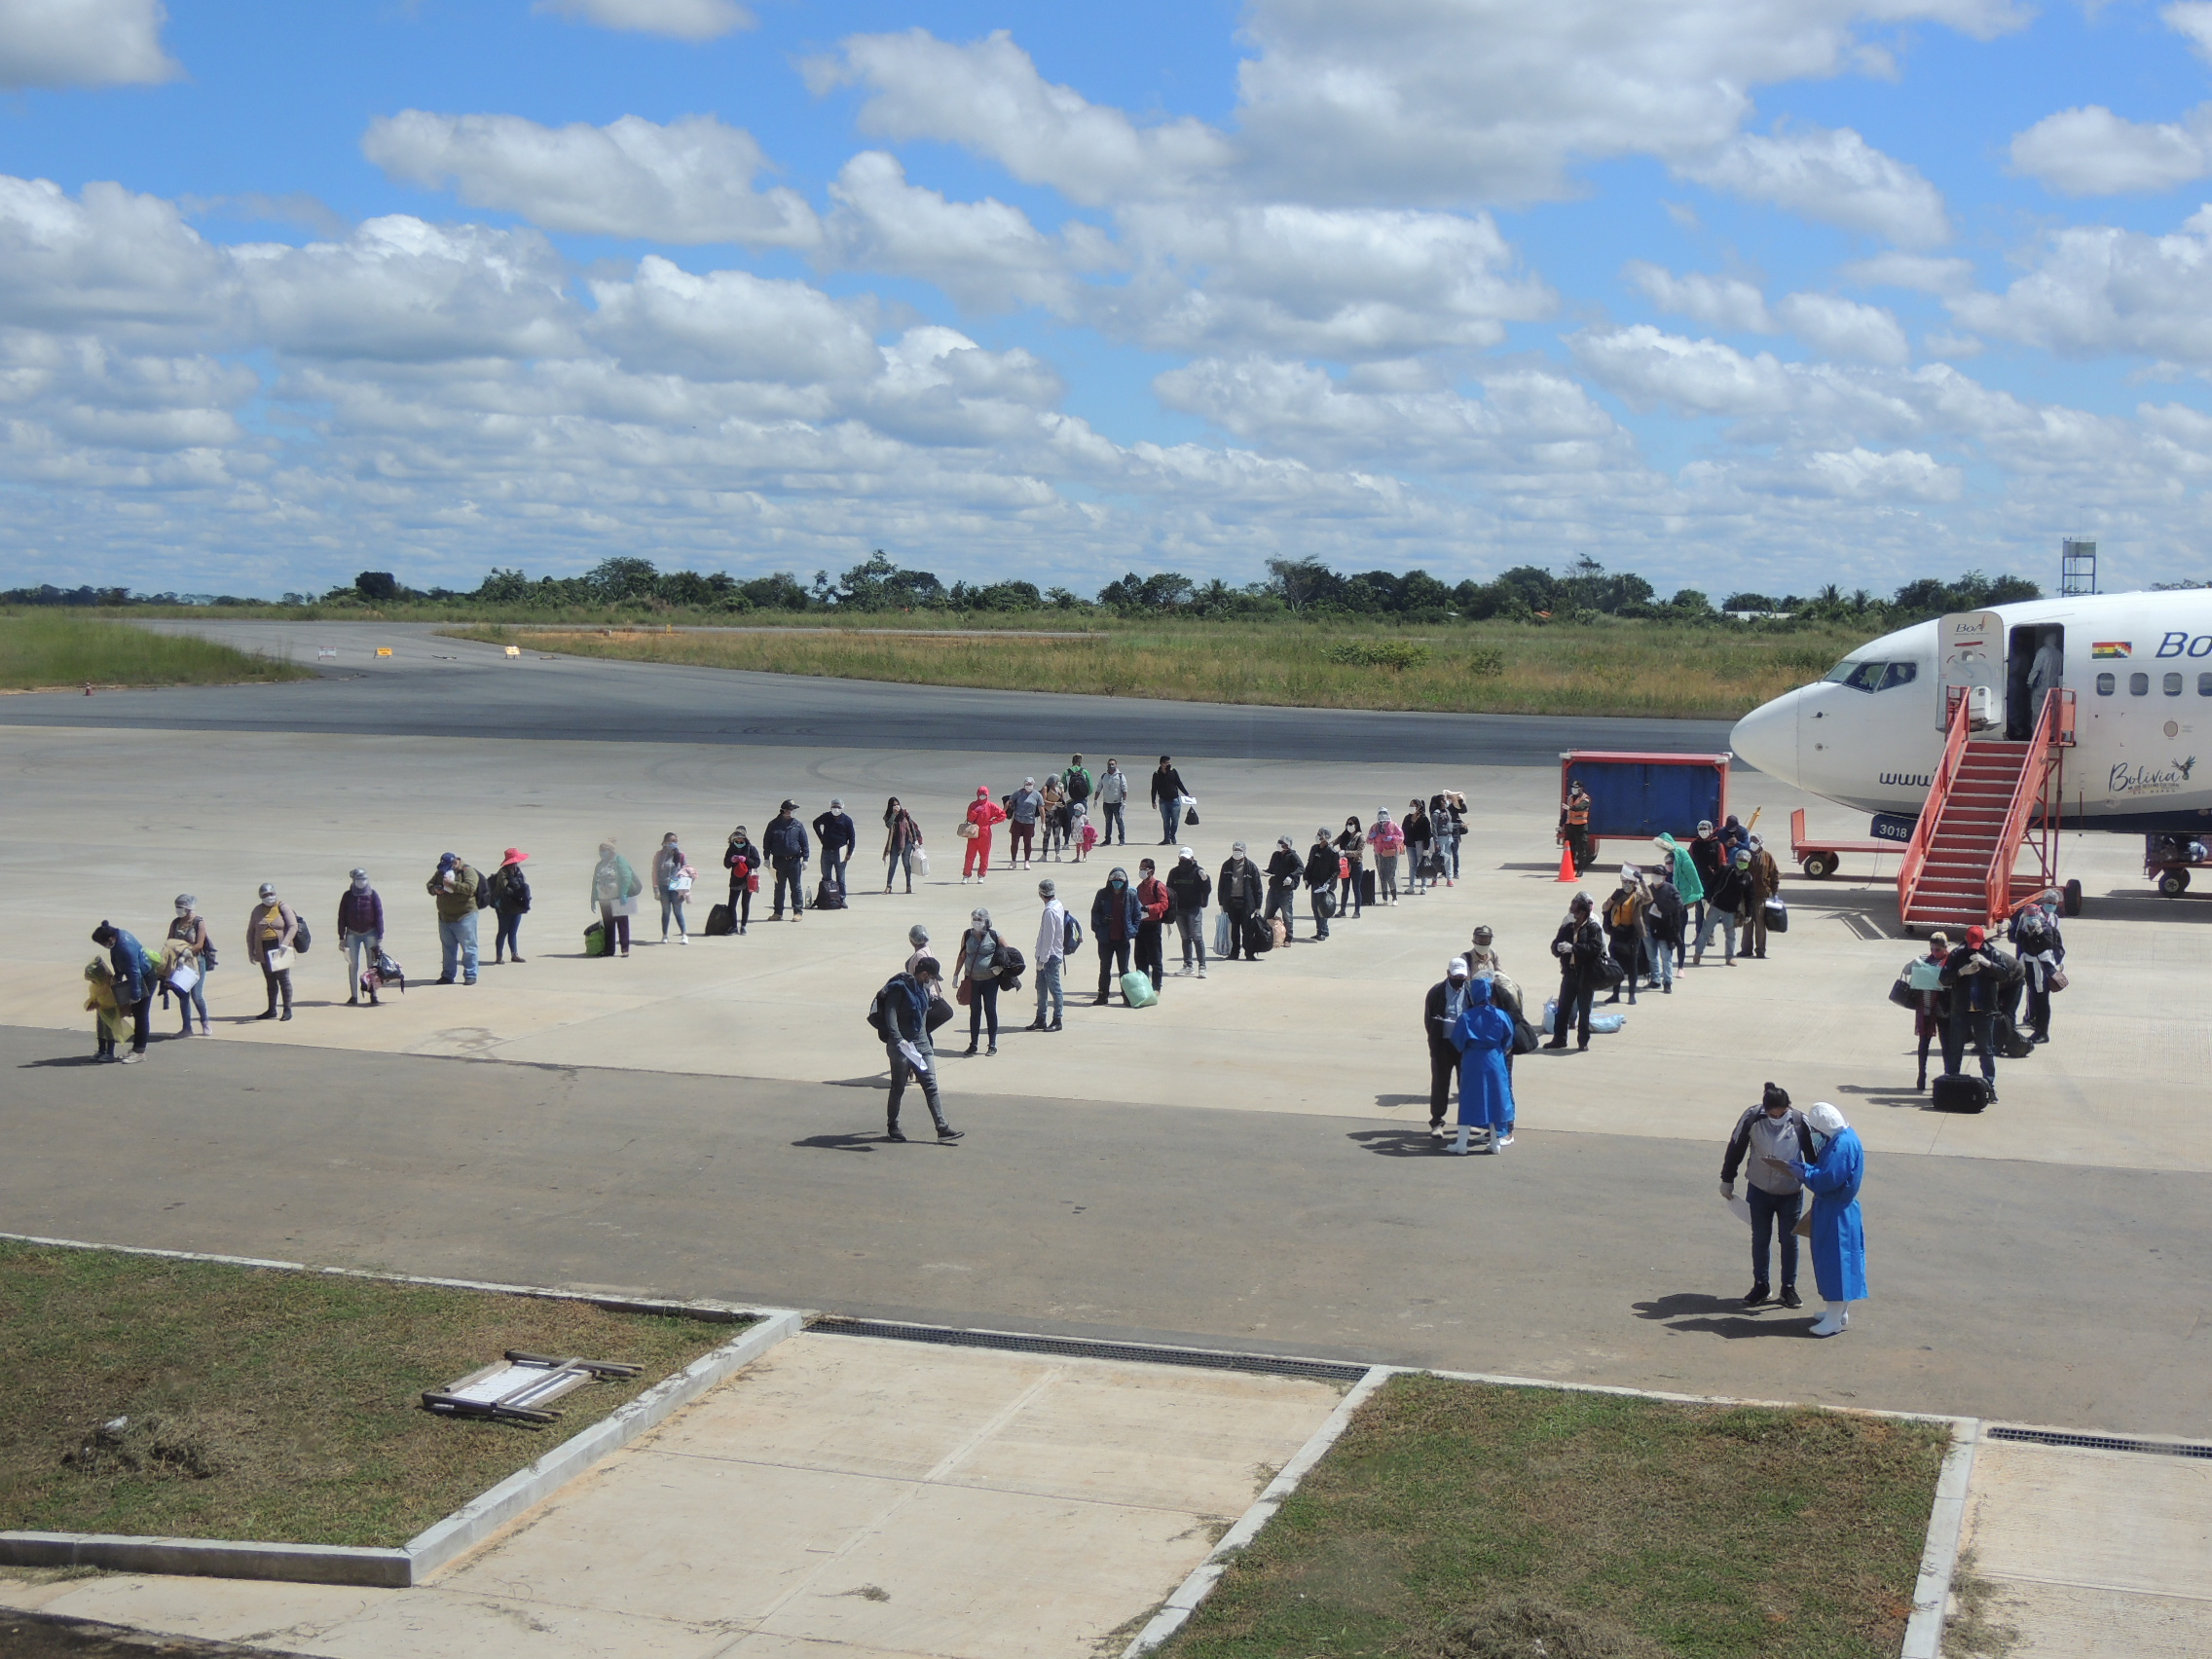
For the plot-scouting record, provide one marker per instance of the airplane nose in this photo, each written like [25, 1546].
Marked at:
[1767, 737]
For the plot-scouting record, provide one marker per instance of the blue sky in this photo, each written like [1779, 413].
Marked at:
[1737, 293]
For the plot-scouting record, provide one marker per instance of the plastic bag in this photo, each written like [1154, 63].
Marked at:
[1607, 1023]
[1136, 990]
[918, 860]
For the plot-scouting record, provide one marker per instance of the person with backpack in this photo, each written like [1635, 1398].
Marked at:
[460, 893]
[1113, 800]
[835, 831]
[1772, 1139]
[2041, 950]
[743, 860]
[901, 1017]
[1057, 933]
[979, 977]
[510, 902]
[1285, 870]
[1763, 881]
[1664, 917]
[189, 930]
[615, 890]
[901, 840]
[1974, 975]
[1578, 947]
[786, 844]
[1420, 839]
[269, 932]
[1115, 918]
[1321, 871]
[1023, 808]
[1078, 782]
[1388, 841]
[1351, 868]
[1057, 821]
[1239, 888]
[1167, 792]
[672, 886]
[1156, 903]
[1192, 891]
[1448, 813]
[975, 829]
[1623, 915]
[361, 932]
[131, 975]
[1727, 894]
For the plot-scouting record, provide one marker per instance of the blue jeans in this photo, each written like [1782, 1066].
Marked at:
[1171, 821]
[457, 940]
[1768, 1208]
[1320, 919]
[793, 876]
[506, 938]
[1284, 902]
[1049, 986]
[1725, 920]
[1114, 821]
[833, 862]
[355, 943]
[672, 904]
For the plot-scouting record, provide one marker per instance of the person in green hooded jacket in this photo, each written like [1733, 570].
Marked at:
[1687, 883]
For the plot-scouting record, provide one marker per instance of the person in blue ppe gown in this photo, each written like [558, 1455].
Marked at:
[1484, 1036]
[1839, 1235]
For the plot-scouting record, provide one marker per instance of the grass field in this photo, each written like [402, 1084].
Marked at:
[44, 650]
[1460, 1521]
[274, 1405]
[1608, 668]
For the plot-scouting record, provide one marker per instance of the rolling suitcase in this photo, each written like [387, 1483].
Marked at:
[720, 924]
[1954, 1091]
[1366, 887]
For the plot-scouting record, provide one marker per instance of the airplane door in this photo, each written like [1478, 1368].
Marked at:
[1970, 652]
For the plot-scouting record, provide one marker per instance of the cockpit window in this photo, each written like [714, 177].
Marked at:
[1872, 676]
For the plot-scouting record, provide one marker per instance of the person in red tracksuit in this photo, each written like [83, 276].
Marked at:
[982, 813]
[1158, 905]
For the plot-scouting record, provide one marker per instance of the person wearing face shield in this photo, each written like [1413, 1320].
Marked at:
[1834, 1174]
[189, 930]
[1484, 1036]
[1774, 1139]
[360, 928]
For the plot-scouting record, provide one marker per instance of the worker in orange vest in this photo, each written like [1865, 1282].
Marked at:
[1575, 824]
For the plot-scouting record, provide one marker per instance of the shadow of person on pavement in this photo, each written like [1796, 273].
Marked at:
[60, 1061]
[1390, 1100]
[867, 1141]
[1397, 1143]
[1726, 1316]
[1888, 1094]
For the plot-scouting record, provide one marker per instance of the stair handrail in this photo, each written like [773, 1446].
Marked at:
[2055, 726]
[1938, 794]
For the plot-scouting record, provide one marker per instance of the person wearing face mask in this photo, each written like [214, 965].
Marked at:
[131, 975]
[454, 886]
[189, 932]
[1116, 915]
[1050, 959]
[1578, 946]
[1439, 1015]
[901, 840]
[1192, 891]
[2041, 949]
[510, 902]
[1285, 870]
[1834, 1174]
[743, 860]
[1321, 882]
[1690, 891]
[980, 970]
[1708, 858]
[1774, 1137]
[1351, 868]
[361, 929]
[1388, 841]
[1484, 1037]
[1156, 903]
[1113, 800]
[1022, 810]
[1726, 897]
[269, 934]
[1238, 886]
[1975, 977]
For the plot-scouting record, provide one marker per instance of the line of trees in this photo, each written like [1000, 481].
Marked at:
[1294, 588]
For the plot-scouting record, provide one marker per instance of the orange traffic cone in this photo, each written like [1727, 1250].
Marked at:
[1567, 866]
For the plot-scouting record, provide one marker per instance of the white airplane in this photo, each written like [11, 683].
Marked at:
[1871, 734]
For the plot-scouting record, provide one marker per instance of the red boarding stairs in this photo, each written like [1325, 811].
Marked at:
[1991, 797]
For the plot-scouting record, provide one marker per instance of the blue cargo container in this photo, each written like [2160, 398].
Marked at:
[1634, 797]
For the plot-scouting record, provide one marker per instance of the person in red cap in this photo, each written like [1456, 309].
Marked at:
[510, 900]
[1976, 978]
[982, 813]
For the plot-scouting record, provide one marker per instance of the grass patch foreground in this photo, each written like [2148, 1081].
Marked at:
[48, 652]
[1463, 1521]
[273, 1405]
[1606, 668]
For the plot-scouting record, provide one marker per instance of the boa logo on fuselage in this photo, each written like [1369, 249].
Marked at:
[2127, 780]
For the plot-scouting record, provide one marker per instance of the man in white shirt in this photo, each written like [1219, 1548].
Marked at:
[1051, 955]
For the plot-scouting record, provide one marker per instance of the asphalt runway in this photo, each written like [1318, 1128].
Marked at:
[432, 687]
[2045, 1293]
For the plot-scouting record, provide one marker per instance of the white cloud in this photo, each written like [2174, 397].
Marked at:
[1832, 175]
[689, 181]
[1651, 369]
[2096, 288]
[988, 97]
[1869, 475]
[1726, 302]
[1919, 272]
[403, 291]
[2193, 20]
[83, 42]
[109, 256]
[985, 254]
[1496, 100]
[694, 21]
[1845, 328]
[730, 325]
[2094, 152]
[1335, 282]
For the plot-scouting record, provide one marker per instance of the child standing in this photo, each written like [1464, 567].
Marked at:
[1086, 835]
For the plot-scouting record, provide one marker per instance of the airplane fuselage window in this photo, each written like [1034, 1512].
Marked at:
[2107, 684]
[2173, 684]
[2139, 686]
[2205, 686]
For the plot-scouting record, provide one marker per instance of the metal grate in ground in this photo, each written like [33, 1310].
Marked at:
[2099, 1442]
[1078, 1347]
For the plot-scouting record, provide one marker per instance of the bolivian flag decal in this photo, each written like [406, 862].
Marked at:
[2112, 648]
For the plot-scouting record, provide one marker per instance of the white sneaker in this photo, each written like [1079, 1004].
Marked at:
[1184, 972]
[1505, 1140]
[1202, 973]
[682, 938]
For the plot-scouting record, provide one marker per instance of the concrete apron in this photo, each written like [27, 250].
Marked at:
[115, 823]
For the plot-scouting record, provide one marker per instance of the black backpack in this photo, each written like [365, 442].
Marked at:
[1079, 786]
[878, 1018]
[301, 937]
[483, 892]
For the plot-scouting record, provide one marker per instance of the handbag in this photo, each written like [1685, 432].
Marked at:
[1526, 1039]
[968, 830]
[940, 1012]
[301, 937]
[1902, 994]
[964, 993]
[1610, 970]
[917, 861]
[2056, 979]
